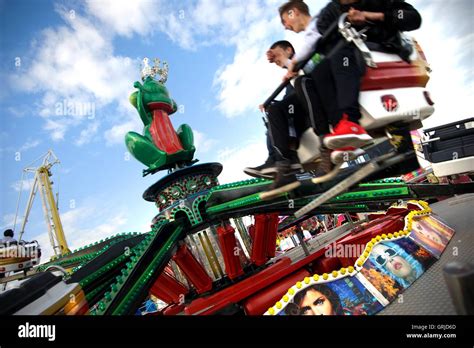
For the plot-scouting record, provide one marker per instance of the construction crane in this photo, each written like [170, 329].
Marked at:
[43, 183]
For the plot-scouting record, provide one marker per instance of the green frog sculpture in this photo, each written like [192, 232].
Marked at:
[160, 147]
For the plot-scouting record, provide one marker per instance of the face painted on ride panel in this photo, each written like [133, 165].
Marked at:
[281, 56]
[292, 20]
[388, 258]
[315, 303]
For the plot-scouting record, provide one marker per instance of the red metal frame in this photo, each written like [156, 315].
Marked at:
[264, 281]
[192, 269]
[264, 238]
[258, 255]
[168, 289]
[228, 244]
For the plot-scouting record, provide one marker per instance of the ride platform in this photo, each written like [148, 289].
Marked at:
[429, 295]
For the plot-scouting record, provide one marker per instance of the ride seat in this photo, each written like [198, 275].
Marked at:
[391, 75]
[395, 90]
[393, 72]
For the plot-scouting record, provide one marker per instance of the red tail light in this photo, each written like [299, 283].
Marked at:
[390, 103]
[428, 98]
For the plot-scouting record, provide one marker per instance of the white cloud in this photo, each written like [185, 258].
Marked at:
[116, 134]
[236, 159]
[208, 22]
[202, 142]
[57, 129]
[87, 134]
[7, 221]
[30, 144]
[76, 70]
[80, 230]
[17, 111]
[23, 185]
[451, 82]
[249, 80]
[98, 75]
[203, 22]
[125, 17]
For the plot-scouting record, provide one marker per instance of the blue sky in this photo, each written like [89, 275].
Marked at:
[88, 53]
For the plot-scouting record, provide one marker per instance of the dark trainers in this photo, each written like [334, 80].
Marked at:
[265, 171]
[326, 169]
[325, 165]
[269, 169]
[284, 182]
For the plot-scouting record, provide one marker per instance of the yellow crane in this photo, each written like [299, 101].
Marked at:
[43, 184]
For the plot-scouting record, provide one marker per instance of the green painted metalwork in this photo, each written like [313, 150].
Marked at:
[138, 251]
[385, 181]
[240, 184]
[254, 199]
[64, 261]
[146, 276]
[235, 204]
[372, 194]
[134, 255]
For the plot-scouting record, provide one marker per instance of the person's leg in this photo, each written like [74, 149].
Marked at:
[325, 95]
[279, 114]
[312, 117]
[265, 170]
[271, 150]
[324, 98]
[347, 72]
[278, 141]
[314, 108]
[287, 160]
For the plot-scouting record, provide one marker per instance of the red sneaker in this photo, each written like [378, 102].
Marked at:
[347, 134]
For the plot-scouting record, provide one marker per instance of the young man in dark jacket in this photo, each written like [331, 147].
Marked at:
[340, 78]
[390, 17]
[284, 117]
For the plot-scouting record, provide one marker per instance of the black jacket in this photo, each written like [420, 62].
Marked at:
[399, 16]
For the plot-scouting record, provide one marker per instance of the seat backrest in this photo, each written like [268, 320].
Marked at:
[393, 72]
